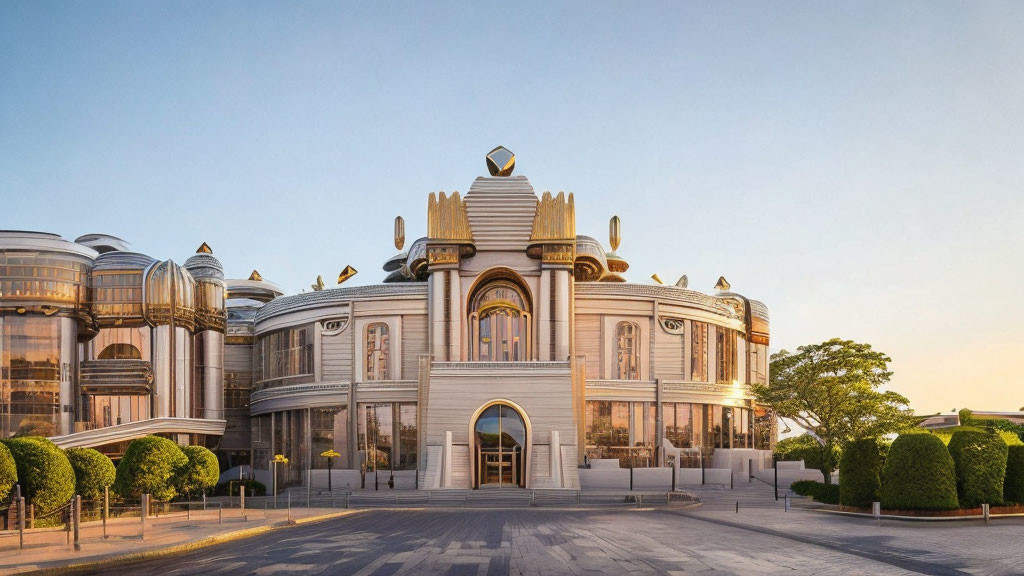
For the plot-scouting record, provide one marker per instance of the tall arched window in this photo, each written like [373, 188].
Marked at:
[120, 351]
[627, 346]
[378, 349]
[499, 323]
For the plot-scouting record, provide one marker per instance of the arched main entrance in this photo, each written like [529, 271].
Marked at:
[500, 437]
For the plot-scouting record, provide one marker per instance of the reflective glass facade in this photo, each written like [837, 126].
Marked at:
[30, 375]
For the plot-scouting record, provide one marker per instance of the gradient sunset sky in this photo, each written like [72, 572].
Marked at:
[859, 167]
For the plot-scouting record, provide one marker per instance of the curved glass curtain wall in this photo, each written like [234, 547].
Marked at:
[30, 374]
[500, 457]
[284, 357]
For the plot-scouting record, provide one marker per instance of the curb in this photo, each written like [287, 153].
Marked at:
[973, 517]
[186, 547]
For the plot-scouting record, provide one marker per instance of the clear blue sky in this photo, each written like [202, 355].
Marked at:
[858, 166]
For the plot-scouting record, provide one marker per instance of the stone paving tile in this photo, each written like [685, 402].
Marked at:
[713, 539]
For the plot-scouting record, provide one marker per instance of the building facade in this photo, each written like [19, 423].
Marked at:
[100, 345]
[502, 349]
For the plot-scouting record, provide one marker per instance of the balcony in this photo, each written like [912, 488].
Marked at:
[117, 377]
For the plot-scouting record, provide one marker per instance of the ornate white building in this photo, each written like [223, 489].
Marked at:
[503, 349]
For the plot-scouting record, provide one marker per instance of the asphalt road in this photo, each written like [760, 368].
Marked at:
[532, 541]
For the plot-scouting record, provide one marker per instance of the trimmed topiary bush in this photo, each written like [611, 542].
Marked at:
[1013, 486]
[946, 434]
[151, 465]
[252, 488]
[980, 459]
[821, 492]
[860, 473]
[918, 474]
[45, 475]
[8, 472]
[201, 472]
[93, 471]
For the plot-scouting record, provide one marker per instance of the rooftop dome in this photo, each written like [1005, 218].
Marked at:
[123, 261]
[204, 265]
[103, 243]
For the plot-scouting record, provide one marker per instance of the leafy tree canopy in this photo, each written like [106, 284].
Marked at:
[45, 475]
[93, 471]
[8, 472]
[201, 472]
[832, 390]
[151, 465]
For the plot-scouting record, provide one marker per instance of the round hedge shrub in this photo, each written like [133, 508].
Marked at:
[93, 471]
[980, 459]
[45, 475]
[918, 474]
[1013, 487]
[252, 488]
[151, 465]
[824, 493]
[202, 471]
[8, 472]
[860, 473]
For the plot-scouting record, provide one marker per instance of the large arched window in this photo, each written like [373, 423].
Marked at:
[120, 351]
[378, 348]
[499, 323]
[627, 347]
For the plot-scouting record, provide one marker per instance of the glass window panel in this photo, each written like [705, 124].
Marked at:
[374, 429]
[699, 351]
[378, 348]
[627, 350]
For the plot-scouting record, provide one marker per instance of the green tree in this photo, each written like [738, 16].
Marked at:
[200, 473]
[93, 471]
[151, 465]
[832, 391]
[45, 475]
[8, 472]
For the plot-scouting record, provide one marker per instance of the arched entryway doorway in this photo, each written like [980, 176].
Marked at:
[500, 440]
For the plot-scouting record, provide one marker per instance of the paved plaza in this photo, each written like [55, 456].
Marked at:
[762, 538]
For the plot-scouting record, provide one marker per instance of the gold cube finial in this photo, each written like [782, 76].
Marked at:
[614, 232]
[255, 276]
[347, 273]
[399, 233]
[501, 161]
[204, 248]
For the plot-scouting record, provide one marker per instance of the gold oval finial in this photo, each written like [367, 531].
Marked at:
[656, 278]
[399, 233]
[204, 248]
[614, 232]
[255, 276]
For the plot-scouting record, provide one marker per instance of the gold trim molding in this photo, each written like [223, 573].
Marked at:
[555, 218]
[447, 219]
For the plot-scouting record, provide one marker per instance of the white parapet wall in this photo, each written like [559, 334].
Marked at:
[659, 479]
[604, 478]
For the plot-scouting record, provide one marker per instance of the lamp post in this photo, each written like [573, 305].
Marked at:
[278, 459]
[330, 455]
